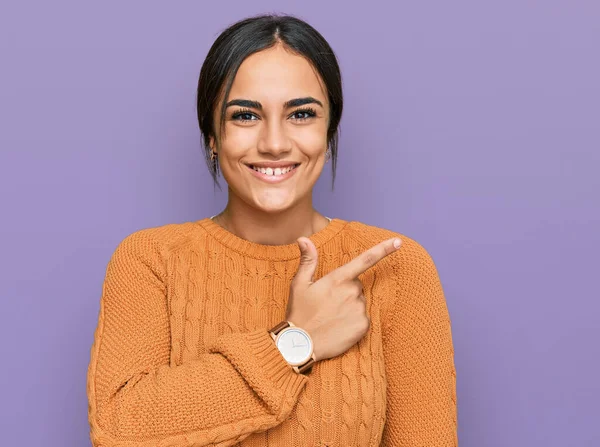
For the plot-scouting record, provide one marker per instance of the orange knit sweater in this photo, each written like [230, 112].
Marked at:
[182, 355]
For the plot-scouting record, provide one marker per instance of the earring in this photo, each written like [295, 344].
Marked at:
[212, 156]
[327, 155]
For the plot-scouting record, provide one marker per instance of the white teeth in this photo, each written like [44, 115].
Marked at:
[276, 171]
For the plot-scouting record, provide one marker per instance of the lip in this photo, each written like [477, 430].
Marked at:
[274, 164]
[272, 178]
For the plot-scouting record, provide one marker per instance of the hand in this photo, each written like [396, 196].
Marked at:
[333, 309]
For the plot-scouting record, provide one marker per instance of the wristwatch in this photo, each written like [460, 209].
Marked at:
[295, 345]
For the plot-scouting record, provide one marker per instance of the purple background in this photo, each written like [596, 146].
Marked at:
[472, 128]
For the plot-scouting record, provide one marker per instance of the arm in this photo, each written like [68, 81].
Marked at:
[241, 385]
[419, 357]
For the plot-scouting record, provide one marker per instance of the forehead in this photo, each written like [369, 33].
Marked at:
[276, 75]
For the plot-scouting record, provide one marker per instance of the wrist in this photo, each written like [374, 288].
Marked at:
[312, 334]
[295, 345]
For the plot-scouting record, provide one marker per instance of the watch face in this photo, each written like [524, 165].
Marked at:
[295, 346]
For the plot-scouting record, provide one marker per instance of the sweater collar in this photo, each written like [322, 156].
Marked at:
[270, 252]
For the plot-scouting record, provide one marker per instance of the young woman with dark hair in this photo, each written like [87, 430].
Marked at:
[269, 323]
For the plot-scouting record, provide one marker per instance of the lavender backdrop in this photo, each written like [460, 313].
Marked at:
[469, 126]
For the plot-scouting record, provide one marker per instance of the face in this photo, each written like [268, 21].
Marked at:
[265, 124]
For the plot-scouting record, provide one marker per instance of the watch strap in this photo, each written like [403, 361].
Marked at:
[277, 329]
[307, 366]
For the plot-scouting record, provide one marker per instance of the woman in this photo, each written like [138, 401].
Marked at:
[271, 324]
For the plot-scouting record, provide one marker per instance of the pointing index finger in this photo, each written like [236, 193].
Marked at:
[367, 259]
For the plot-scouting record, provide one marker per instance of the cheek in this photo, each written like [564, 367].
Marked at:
[311, 139]
[237, 140]
[312, 144]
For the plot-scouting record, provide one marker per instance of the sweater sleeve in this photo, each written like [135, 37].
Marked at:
[419, 357]
[136, 398]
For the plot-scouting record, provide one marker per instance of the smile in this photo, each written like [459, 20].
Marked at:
[273, 175]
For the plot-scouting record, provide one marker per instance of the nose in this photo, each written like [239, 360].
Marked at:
[274, 140]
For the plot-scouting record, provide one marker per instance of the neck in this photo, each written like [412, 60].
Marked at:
[268, 228]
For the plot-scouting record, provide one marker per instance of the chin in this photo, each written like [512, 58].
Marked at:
[273, 206]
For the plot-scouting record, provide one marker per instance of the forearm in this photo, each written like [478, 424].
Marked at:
[243, 385]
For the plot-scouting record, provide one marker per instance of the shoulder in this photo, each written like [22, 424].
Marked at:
[155, 244]
[406, 272]
[411, 254]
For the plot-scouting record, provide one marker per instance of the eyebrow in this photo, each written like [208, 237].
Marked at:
[288, 104]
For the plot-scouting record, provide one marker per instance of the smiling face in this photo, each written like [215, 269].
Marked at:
[277, 111]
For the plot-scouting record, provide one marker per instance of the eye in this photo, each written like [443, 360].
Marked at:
[304, 114]
[244, 115]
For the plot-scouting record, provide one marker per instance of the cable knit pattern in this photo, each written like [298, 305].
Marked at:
[182, 355]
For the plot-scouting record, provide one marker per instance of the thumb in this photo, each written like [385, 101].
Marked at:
[308, 261]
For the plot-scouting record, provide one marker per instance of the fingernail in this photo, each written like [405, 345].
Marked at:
[397, 243]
